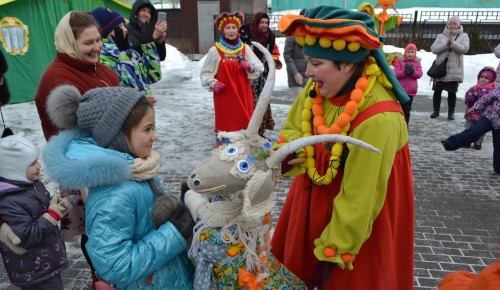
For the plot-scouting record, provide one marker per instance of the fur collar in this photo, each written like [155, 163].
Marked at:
[102, 167]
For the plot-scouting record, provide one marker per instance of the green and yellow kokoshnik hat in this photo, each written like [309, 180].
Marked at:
[340, 35]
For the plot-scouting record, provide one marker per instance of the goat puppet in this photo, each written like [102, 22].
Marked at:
[231, 196]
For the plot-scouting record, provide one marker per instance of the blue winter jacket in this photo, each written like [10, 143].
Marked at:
[124, 245]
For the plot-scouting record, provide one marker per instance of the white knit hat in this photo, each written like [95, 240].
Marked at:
[17, 154]
[455, 19]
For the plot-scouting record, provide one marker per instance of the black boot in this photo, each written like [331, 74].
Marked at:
[436, 103]
[446, 146]
[452, 100]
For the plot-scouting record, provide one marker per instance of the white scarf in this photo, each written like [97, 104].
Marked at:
[146, 168]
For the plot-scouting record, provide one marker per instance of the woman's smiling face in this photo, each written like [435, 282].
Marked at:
[89, 44]
[329, 76]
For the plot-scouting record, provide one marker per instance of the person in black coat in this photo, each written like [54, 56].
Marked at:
[144, 28]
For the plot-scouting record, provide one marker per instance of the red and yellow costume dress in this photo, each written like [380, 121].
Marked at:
[234, 105]
[366, 211]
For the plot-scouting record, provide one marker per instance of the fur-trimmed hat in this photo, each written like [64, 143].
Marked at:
[101, 111]
[17, 154]
[229, 17]
[340, 35]
[107, 18]
[489, 72]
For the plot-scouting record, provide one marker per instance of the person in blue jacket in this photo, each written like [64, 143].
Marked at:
[108, 149]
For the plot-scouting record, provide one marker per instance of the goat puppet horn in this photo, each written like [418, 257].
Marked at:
[274, 160]
[265, 95]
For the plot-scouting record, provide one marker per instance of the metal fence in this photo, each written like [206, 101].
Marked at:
[483, 28]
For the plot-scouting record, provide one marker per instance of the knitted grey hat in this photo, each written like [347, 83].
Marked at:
[101, 111]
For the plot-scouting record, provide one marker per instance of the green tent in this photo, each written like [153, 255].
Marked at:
[27, 38]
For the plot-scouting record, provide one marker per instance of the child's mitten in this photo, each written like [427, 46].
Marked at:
[9, 238]
[409, 70]
[59, 207]
[218, 87]
[246, 66]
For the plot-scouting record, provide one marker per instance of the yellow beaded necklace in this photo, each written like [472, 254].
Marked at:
[314, 107]
[230, 51]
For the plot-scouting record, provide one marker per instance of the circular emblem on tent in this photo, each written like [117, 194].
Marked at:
[14, 35]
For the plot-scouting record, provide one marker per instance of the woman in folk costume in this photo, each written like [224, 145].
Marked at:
[228, 66]
[347, 222]
[258, 30]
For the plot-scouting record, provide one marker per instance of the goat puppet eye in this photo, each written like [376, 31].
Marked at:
[243, 166]
[231, 150]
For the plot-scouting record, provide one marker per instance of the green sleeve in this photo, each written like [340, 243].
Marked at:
[364, 185]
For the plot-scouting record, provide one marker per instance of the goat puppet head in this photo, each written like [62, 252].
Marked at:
[245, 170]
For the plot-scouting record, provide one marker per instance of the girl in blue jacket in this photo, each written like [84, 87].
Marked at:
[109, 151]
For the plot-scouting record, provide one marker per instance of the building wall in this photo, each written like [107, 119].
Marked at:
[183, 22]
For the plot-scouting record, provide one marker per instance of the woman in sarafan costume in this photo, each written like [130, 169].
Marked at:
[347, 222]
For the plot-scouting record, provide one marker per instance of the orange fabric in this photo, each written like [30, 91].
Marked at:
[276, 57]
[487, 279]
[458, 280]
[247, 279]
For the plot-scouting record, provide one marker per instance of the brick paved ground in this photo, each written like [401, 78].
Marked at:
[457, 199]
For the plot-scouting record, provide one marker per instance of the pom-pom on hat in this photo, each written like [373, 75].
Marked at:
[107, 19]
[341, 35]
[229, 17]
[489, 72]
[17, 154]
[101, 111]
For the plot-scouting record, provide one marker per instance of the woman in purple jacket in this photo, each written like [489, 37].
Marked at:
[408, 70]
